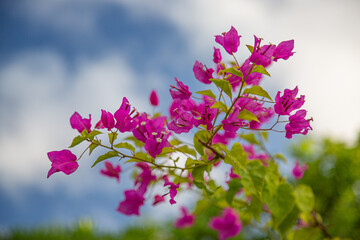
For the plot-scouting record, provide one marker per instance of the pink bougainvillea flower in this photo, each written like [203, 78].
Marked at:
[64, 161]
[207, 115]
[253, 78]
[152, 132]
[107, 119]
[284, 50]
[232, 174]
[173, 188]
[253, 154]
[201, 74]
[154, 98]
[298, 171]
[262, 55]
[144, 178]
[132, 202]
[125, 122]
[217, 55]
[297, 124]
[228, 225]
[79, 123]
[183, 123]
[186, 220]
[229, 40]
[232, 123]
[288, 102]
[256, 107]
[224, 137]
[181, 91]
[111, 171]
[157, 142]
[99, 125]
[158, 199]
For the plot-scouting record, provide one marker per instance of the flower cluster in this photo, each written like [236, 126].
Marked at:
[229, 127]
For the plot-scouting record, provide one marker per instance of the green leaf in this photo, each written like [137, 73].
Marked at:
[253, 177]
[234, 187]
[305, 199]
[234, 71]
[251, 48]
[257, 90]
[141, 157]
[261, 69]
[265, 134]
[125, 145]
[220, 105]
[135, 140]
[187, 149]
[198, 176]
[272, 179]
[84, 133]
[282, 203]
[189, 163]
[256, 207]
[247, 115]
[280, 157]
[93, 134]
[223, 85]
[236, 157]
[175, 142]
[92, 146]
[250, 137]
[208, 93]
[77, 140]
[203, 136]
[306, 233]
[289, 221]
[105, 156]
[112, 137]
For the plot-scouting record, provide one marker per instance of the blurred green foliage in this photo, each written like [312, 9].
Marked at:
[334, 176]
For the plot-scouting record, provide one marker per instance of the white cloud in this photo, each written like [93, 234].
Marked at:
[39, 93]
[326, 44]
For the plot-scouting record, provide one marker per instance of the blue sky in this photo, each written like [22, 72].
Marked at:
[62, 56]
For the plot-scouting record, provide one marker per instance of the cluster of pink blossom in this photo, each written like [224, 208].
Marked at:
[222, 120]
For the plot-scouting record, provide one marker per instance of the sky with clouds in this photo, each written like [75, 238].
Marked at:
[62, 56]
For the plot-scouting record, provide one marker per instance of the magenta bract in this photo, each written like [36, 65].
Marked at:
[298, 171]
[201, 74]
[297, 124]
[288, 102]
[228, 225]
[111, 171]
[158, 199]
[131, 204]
[172, 189]
[186, 220]
[154, 98]
[107, 120]
[230, 40]
[217, 55]
[262, 55]
[284, 50]
[181, 91]
[79, 123]
[232, 123]
[144, 178]
[64, 161]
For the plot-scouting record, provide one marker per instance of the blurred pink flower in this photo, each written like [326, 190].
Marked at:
[186, 220]
[298, 171]
[64, 161]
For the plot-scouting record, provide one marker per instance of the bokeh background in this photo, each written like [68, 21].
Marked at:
[62, 56]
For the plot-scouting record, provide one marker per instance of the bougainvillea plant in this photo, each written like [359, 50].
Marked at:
[229, 123]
